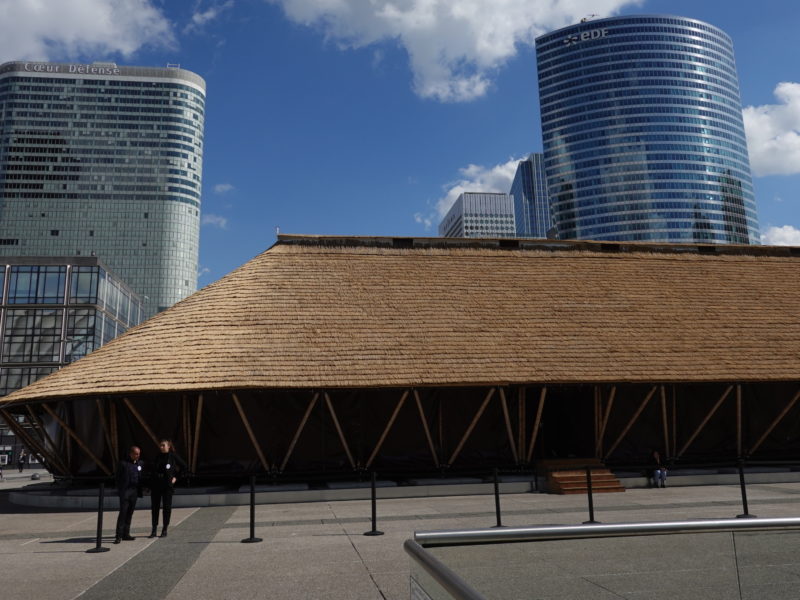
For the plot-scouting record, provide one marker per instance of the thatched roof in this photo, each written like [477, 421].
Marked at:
[371, 312]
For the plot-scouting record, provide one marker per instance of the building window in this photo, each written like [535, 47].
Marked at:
[54, 232]
[37, 284]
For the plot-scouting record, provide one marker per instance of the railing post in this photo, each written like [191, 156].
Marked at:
[497, 498]
[252, 539]
[591, 520]
[746, 514]
[101, 495]
[374, 530]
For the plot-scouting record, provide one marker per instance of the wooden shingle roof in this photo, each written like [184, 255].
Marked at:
[371, 312]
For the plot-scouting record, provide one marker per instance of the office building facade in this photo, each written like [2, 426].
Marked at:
[531, 202]
[53, 311]
[643, 134]
[106, 161]
[480, 215]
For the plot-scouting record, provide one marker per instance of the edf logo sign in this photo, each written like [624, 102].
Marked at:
[586, 35]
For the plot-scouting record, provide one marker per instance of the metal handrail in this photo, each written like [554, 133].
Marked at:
[563, 532]
[442, 574]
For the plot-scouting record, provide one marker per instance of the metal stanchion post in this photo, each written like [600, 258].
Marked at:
[374, 530]
[591, 520]
[497, 498]
[101, 495]
[746, 514]
[252, 539]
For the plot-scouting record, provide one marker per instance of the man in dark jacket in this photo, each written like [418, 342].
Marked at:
[129, 488]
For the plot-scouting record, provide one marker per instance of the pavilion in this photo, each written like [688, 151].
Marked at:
[334, 355]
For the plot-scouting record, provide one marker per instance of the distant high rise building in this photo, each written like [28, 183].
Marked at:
[106, 161]
[643, 133]
[531, 203]
[480, 215]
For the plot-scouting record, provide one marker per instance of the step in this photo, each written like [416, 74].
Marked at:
[594, 491]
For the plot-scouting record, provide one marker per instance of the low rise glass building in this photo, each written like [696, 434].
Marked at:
[54, 311]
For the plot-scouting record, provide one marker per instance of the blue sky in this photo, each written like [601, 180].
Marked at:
[368, 117]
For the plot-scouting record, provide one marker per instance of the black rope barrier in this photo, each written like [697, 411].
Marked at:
[746, 514]
[252, 539]
[591, 520]
[497, 498]
[374, 496]
[101, 495]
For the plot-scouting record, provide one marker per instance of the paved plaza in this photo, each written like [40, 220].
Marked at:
[318, 550]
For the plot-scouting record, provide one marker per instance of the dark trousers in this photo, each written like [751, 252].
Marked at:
[127, 504]
[157, 497]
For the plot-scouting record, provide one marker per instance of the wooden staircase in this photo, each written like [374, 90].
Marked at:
[568, 476]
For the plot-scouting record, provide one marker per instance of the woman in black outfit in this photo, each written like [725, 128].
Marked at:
[166, 468]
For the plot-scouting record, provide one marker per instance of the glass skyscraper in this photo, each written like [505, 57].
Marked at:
[106, 161]
[643, 133]
[531, 202]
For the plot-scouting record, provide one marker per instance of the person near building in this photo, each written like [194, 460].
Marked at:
[129, 488]
[659, 470]
[167, 467]
[21, 458]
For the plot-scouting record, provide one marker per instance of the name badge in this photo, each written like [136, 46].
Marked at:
[168, 465]
[138, 467]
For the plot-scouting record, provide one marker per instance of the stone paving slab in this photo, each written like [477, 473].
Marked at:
[318, 550]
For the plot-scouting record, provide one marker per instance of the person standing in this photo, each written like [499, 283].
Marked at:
[21, 460]
[129, 488]
[167, 467]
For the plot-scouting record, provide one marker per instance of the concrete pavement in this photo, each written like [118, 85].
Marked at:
[318, 550]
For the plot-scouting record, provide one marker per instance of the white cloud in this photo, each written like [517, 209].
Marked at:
[773, 133]
[215, 221]
[74, 29]
[454, 46]
[223, 188]
[781, 236]
[201, 17]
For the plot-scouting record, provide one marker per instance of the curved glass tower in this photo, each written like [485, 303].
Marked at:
[643, 132]
[104, 160]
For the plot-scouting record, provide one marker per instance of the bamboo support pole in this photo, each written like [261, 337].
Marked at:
[509, 430]
[339, 430]
[250, 434]
[112, 417]
[631, 422]
[387, 428]
[77, 439]
[707, 418]
[604, 422]
[33, 443]
[774, 423]
[739, 421]
[537, 421]
[46, 436]
[474, 422]
[196, 435]
[427, 429]
[664, 422]
[101, 413]
[521, 418]
[297, 433]
[141, 421]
